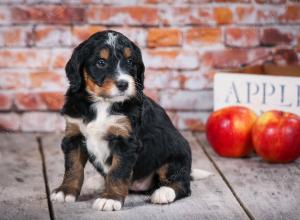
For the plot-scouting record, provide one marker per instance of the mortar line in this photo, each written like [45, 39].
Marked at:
[250, 216]
[50, 207]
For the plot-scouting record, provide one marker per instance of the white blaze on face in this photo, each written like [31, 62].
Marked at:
[128, 78]
[111, 40]
[119, 96]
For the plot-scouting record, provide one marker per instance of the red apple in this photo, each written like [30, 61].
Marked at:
[228, 130]
[276, 136]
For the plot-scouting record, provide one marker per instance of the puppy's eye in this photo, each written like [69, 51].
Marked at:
[101, 63]
[130, 61]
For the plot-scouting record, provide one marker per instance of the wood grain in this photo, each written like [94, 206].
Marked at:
[22, 189]
[268, 191]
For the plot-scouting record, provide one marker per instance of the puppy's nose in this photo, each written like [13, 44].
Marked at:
[122, 85]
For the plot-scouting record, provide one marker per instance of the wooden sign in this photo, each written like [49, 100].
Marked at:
[258, 92]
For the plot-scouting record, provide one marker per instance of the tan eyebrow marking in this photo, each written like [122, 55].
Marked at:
[104, 53]
[127, 52]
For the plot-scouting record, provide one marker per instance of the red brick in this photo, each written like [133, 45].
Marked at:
[5, 17]
[10, 80]
[42, 122]
[245, 15]
[192, 121]
[52, 36]
[187, 16]
[53, 100]
[273, 36]
[186, 100]
[30, 58]
[45, 80]
[242, 37]
[6, 101]
[60, 57]
[29, 101]
[81, 33]
[291, 14]
[233, 58]
[223, 15]
[232, 1]
[161, 37]
[285, 57]
[14, 36]
[53, 14]
[137, 15]
[204, 35]
[251, 15]
[171, 59]
[298, 44]
[39, 101]
[271, 1]
[118, 2]
[9, 122]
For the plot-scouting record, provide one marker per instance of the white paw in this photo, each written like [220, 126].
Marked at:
[61, 197]
[103, 204]
[163, 195]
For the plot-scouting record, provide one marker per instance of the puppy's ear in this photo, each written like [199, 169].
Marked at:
[140, 77]
[74, 67]
[140, 68]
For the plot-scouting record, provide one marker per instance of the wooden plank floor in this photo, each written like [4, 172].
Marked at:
[22, 188]
[267, 191]
[239, 188]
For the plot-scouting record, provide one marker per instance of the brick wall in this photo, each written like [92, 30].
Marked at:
[183, 43]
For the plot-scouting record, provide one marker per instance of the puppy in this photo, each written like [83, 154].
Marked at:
[127, 137]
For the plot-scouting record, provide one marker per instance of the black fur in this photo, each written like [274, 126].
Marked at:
[153, 142]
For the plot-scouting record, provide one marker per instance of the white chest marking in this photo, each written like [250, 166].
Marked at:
[95, 131]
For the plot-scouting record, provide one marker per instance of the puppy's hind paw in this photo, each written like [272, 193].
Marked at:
[103, 204]
[61, 197]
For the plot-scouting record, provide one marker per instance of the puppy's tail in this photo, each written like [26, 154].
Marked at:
[198, 174]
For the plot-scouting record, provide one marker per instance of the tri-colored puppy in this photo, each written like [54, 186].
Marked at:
[128, 138]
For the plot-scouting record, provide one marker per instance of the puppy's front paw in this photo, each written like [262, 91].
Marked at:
[103, 204]
[59, 196]
[163, 195]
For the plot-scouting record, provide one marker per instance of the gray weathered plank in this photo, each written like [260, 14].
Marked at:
[211, 199]
[268, 191]
[298, 163]
[22, 193]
